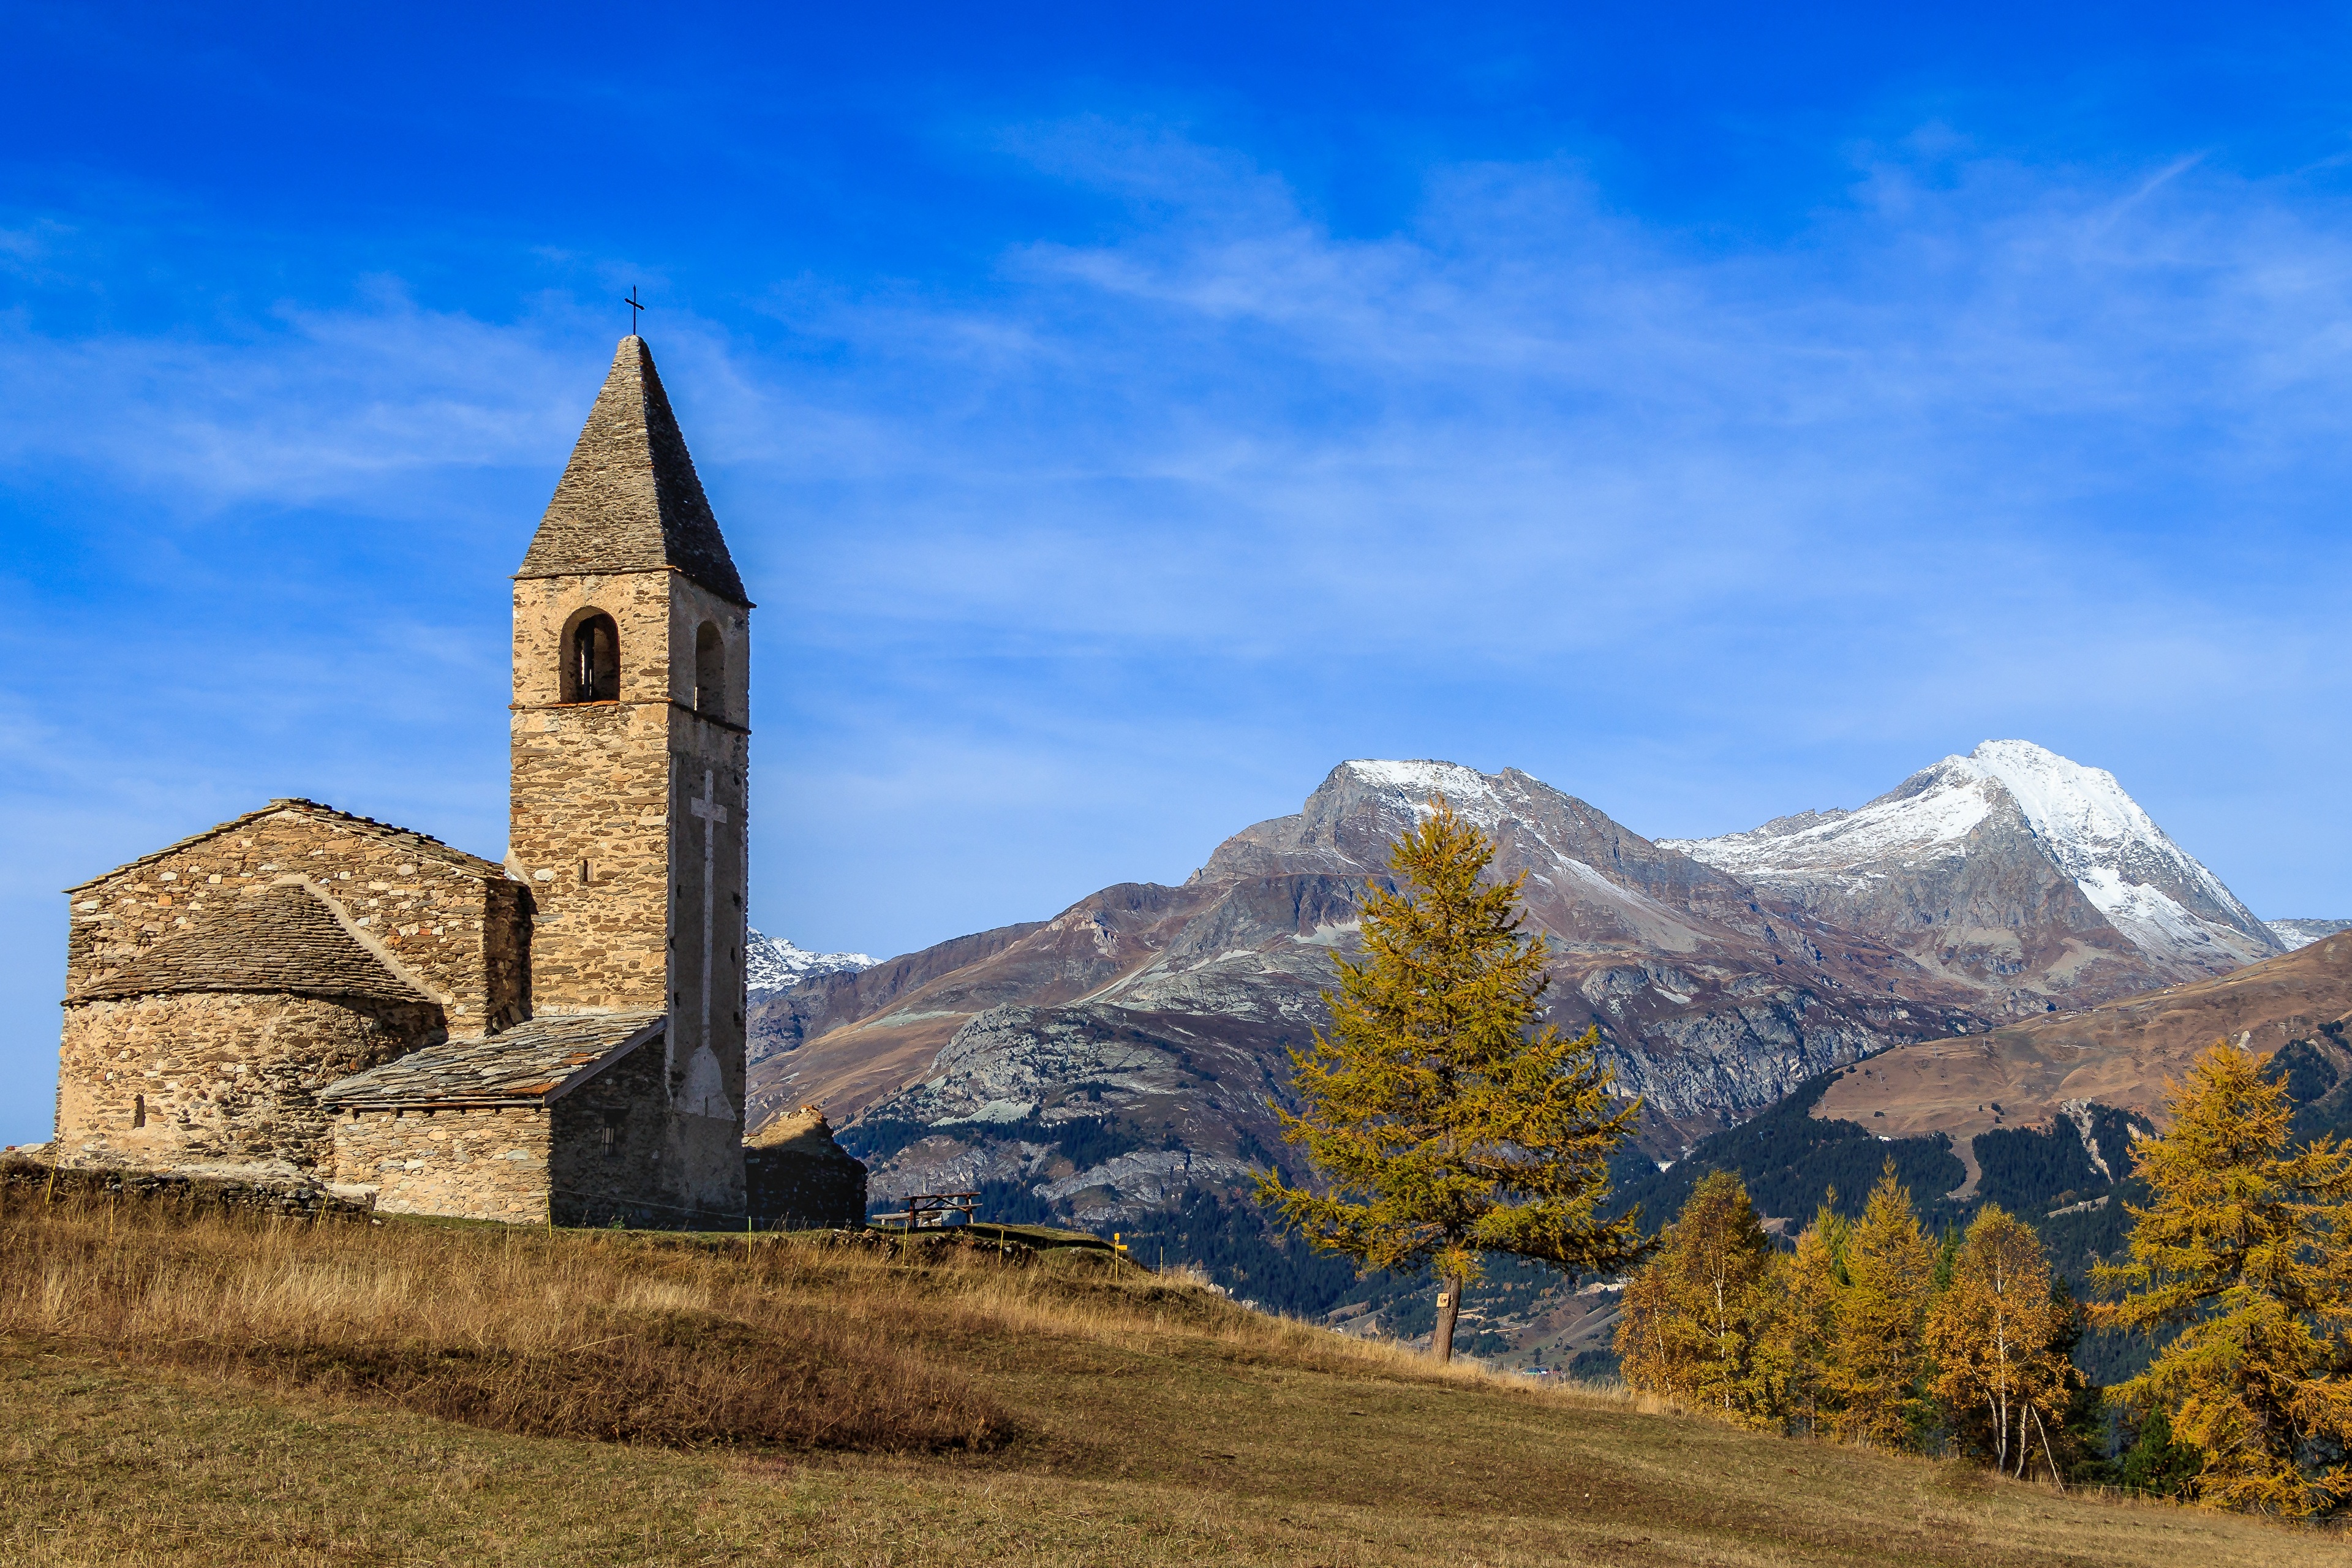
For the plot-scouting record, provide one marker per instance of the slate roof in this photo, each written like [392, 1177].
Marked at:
[629, 500]
[527, 1064]
[281, 940]
[421, 844]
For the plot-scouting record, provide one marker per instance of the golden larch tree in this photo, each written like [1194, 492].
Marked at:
[1443, 1124]
[1803, 1337]
[1875, 1368]
[2242, 1250]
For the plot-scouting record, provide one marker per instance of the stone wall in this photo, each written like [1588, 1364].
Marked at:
[218, 1075]
[791, 1192]
[457, 928]
[652, 1172]
[471, 1163]
[24, 1178]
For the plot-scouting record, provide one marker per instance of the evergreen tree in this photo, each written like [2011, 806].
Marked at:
[1993, 1332]
[1443, 1124]
[1697, 1320]
[1875, 1367]
[2242, 1250]
[2157, 1466]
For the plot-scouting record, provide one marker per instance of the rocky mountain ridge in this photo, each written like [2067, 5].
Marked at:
[1111, 1066]
[1149, 1024]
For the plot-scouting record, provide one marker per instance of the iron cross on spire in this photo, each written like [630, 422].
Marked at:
[634, 305]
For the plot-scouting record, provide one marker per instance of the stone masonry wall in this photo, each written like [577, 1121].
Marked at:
[632, 1176]
[590, 825]
[469, 1163]
[223, 1076]
[628, 820]
[792, 1189]
[462, 935]
[26, 1180]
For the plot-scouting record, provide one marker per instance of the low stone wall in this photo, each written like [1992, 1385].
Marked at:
[24, 1178]
[470, 1165]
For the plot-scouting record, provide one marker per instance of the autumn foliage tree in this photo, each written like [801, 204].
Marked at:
[2240, 1269]
[1879, 1354]
[1802, 1341]
[1696, 1320]
[1996, 1336]
[1443, 1121]
[2242, 1252]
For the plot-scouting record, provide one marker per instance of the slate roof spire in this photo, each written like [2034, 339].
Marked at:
[629, 500]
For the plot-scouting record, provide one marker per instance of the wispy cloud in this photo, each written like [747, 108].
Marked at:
[1707, 528]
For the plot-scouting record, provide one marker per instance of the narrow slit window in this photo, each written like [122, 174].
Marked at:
[709, 671]
[138, 1111]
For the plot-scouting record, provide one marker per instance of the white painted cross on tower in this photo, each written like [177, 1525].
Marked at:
[713, 814]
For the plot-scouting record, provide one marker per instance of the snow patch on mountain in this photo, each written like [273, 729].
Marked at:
[1425, 777]
[2293, 934]
[1931, 814]
[776, 962]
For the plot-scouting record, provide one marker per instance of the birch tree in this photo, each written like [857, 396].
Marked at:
[1696, 1320]
[1992, 1335]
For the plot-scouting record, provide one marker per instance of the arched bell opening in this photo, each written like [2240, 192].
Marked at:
[591, 658]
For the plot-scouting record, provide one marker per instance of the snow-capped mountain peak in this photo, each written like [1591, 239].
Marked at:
[774, 962]
[2139, 878]
[2078, 819]
[2293, 935]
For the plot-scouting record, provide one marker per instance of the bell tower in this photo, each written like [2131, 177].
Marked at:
[631, 756]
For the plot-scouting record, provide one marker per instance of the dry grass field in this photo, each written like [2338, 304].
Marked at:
[203, 1390]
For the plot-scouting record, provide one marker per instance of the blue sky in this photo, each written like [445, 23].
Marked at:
[1122, 419]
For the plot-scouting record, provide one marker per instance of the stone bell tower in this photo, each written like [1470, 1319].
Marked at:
[632, 683]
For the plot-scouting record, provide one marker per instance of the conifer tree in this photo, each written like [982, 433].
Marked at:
[1697, 1318]
[2243, 1249]
[1804, 1336]
[1442, 1122]
[1994, 1333]
[1875, 1370]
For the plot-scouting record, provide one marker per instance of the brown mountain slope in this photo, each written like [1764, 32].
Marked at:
[2117, 1053]
[783, 1021]
[882, 1029]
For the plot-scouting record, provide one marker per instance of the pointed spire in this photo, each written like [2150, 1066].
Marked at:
[629, 500]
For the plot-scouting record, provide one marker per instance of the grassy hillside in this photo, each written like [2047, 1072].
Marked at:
[201, 1391]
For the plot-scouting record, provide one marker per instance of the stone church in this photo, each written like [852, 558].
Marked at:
[559, 1037]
